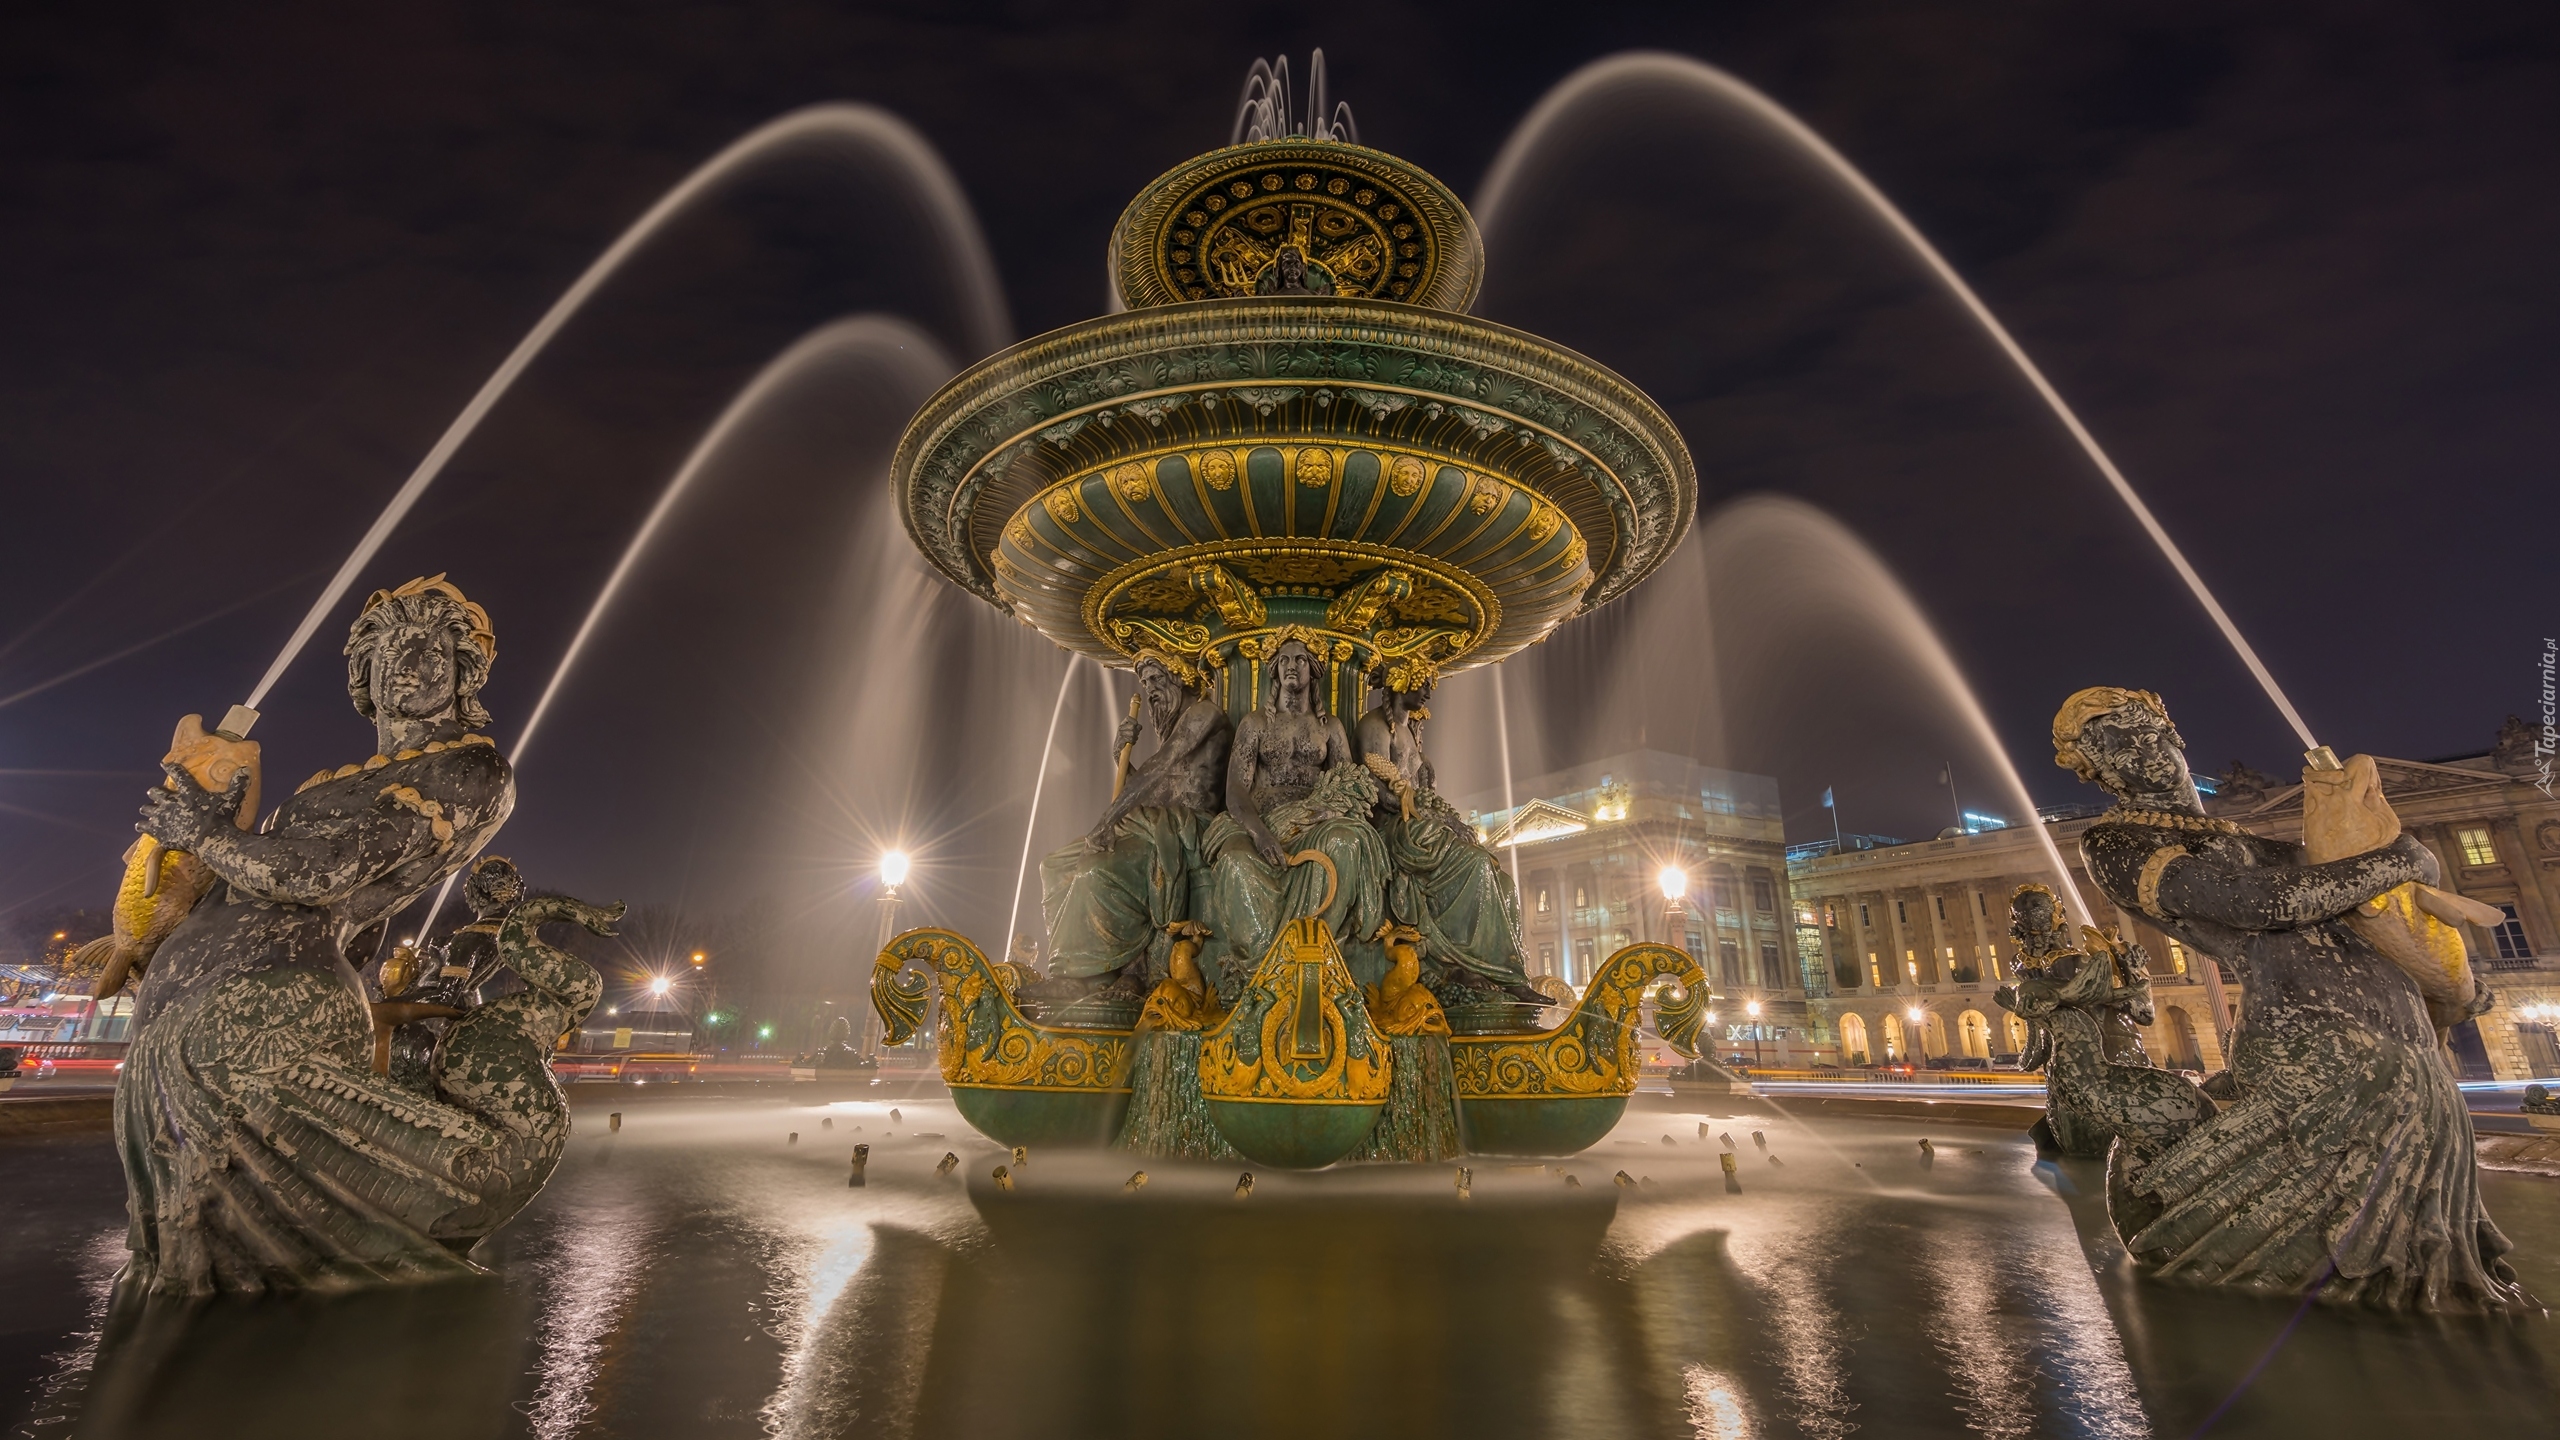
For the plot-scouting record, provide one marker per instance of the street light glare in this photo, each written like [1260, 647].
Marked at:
[1752, 1009]
[661, 985]
[893, 868]
[1674, 881]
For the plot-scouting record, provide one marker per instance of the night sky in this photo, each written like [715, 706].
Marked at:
[2294, 267]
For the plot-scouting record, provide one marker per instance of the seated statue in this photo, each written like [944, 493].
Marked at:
[1109, 897]
[1295, 840]
[1445, 885]
[2342, 1162]
[261, 1149]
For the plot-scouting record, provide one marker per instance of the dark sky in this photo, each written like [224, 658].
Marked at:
[2293, 264]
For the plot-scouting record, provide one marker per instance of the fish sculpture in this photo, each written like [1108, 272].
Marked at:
[2417, 927]
[161, 885]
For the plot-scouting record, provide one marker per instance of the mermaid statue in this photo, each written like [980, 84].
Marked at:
[1295, 839]
[2341, 1162]
[1444, 885]
[1110, 897]
[262, 1150]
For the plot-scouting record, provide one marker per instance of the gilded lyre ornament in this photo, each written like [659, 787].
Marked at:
[1301, 1032]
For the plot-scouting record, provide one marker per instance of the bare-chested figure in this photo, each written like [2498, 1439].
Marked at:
[1296, 838]
[1283, 749]
[1109, 896]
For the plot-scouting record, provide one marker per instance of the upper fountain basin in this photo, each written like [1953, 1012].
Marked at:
[1396, 475]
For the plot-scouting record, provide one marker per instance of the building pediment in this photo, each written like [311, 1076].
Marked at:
[1538, 820]
[2400, 779]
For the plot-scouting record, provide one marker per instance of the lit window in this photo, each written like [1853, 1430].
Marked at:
[1875, 968]
[2177, 957]
[1830, 917]
[2476, 847]
[1542, 901]
[1581, 898]
[2509, 935]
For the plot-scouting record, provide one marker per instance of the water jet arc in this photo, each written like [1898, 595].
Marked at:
[861, 127]
[1029, 825]
[1647, 66]
[853, 335]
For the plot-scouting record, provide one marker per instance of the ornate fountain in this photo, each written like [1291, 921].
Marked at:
[1291, 484]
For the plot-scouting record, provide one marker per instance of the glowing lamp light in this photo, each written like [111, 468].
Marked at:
[699, 957]
[764, 1032]
[711, 1019]
[1752, 1009]
[893, 868]
[1674, 882]
[661, 985]
[1711, 1017]
[1915, 1014]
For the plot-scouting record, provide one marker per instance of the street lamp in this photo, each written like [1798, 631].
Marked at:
[1915, 1015]
[1752, 1009]
[894, 865]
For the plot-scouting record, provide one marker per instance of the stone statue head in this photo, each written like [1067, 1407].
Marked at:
[2123, 742]
[1408, 682]
[1161, 686]
[2036, 918]
[1293, 268]
[420, 652]
[1293, 679]
[495, 887]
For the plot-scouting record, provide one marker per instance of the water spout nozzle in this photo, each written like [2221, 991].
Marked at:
[2321, 757]
[236, 722]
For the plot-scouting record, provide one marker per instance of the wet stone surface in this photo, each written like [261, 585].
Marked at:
[696, 1275]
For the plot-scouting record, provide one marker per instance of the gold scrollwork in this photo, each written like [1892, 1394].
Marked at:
[1593, 1053]
[1236, 602]
[1301, 1031]
[984, 1040]
[1357, 610]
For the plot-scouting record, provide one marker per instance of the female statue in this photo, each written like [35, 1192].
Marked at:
[260, 1148]
[1295, 839]
[1109, 897]
[1445, 885]
[2342, 1161]
[2082, 1001]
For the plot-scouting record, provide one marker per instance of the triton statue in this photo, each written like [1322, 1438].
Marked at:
[2342, 1162]
[262, 1151]
[2082, 1003]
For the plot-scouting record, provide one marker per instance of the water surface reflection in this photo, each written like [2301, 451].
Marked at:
[701, 1274]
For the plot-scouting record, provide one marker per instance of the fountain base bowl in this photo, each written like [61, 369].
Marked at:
[1042, 1117]
[1293, 1136]
[1538, 1125]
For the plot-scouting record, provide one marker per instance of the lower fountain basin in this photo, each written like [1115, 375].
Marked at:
[1538, 1125]
[1042, 1117]
[1293, 1136]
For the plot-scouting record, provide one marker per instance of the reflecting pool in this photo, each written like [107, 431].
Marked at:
[699, 1273]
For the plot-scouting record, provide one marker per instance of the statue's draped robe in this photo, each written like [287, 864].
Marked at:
[260, 1150]
[2345, 1160]
[1455, 891]
[1249, 898]
[1107, 908]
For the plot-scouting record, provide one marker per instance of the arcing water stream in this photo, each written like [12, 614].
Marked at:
[862, 129]
[1618, 73]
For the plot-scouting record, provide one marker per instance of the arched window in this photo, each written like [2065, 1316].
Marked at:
[2016, 1028]
[1853, 1041]
[1895, 1052]
[2184, 1054]
[1933, 1035]
[1973, 1034]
